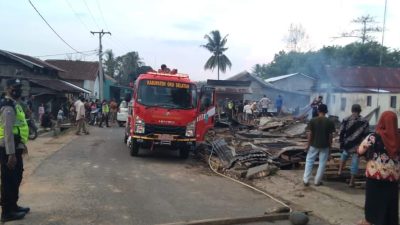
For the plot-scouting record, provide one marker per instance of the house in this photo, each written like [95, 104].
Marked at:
[84, 74]
[39, 78]
[376, 89]
[231, 89]
[297, 82]
[292, 99]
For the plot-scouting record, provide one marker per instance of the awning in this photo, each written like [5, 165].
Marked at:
[60, 86]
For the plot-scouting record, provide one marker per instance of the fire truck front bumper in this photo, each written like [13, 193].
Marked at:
[162, 139]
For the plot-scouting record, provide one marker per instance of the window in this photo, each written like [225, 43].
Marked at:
[343, 104]
[393, 101]
[369, 100]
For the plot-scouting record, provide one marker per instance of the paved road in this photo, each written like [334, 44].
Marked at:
[93, 180]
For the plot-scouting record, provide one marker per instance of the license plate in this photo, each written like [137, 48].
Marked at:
[165, 137]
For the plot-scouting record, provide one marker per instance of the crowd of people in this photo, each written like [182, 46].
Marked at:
[96, 113]
[380, 148]
[248, 111]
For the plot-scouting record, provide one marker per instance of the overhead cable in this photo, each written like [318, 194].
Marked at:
[53, 28]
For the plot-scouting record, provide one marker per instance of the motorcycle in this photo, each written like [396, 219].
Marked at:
[95, 117]
[33, 130]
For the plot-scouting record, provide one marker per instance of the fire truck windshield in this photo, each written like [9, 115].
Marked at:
[167, 94]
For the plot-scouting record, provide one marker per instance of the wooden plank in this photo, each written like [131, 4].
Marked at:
[240, 220]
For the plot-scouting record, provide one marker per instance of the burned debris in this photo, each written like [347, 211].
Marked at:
[253, 151]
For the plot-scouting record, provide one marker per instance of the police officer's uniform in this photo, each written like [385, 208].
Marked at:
[14, 132]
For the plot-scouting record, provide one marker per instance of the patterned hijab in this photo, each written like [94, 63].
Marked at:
[387, 129]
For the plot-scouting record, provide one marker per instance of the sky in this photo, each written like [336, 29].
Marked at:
[171, 31]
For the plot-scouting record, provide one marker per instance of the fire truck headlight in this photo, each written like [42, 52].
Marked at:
[191, 129]
[139, 125]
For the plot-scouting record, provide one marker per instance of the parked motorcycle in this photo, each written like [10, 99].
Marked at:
[33, 130]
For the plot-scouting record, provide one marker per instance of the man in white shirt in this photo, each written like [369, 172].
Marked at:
[80, 116]
[247, 112]
[264, 105]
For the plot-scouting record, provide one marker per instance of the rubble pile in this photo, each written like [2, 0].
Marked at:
[252, 151]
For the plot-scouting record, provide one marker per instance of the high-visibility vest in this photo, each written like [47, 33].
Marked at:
[105, 109]
[20, 127]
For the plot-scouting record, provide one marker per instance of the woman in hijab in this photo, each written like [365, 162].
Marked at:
[382, 150]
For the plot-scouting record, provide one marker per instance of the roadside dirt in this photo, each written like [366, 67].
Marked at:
[334, 202]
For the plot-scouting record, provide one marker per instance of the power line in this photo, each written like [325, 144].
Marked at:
[53, 28]
[76, 14]
[101, 14]
[69, 53]
[91, 14]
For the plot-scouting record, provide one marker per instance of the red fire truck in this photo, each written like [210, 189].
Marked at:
[168, 110]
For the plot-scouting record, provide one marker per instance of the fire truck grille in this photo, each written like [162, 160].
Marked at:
[154, 129]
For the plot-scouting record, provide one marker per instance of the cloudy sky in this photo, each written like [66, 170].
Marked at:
[171, 31]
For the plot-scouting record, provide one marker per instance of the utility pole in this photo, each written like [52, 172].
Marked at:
[101, 80]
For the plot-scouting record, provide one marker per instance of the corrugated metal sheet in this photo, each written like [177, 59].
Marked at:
[76, 70]
[365, 77]
[60, 86]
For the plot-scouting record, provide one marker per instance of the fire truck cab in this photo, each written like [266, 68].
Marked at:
[169, 110]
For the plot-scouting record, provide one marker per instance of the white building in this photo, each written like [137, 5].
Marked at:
[375, 89]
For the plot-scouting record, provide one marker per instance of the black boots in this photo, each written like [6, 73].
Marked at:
[9, 216]
[17, 214]
[23, 209]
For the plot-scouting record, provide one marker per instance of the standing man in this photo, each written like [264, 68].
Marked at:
[105, 110]
[247, 112]
[80, 116]
[264, 105]
[14, 132]
[113, 110]
[352, 131]
[314, 106]
[319, 142]
[278, 104]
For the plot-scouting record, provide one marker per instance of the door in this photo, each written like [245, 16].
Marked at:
[206, 112]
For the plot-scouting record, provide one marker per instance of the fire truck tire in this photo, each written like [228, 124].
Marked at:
[184, 153]
[134, 149]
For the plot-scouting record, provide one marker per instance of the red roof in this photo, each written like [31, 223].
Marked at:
[365, 77]
[76, 70]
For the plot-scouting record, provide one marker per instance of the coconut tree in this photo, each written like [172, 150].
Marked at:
[216, 45]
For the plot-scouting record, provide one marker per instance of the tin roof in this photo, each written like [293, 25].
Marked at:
[273, 79]
[370, 78]
[77, 70]
[29, 60]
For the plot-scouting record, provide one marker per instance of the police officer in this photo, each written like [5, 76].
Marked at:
[14, 134]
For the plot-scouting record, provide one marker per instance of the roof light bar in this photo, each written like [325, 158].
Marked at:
[181, 75]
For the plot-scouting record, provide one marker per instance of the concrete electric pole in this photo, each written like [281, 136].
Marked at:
[101, 80]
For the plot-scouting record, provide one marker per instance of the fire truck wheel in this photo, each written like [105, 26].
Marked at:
[134, 149]
[184, 153]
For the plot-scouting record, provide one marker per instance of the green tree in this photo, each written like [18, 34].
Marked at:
[127, 66]
[110, 63]
[314, 62]
[216, 45]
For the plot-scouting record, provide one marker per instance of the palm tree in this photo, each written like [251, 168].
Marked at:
[216, 46]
